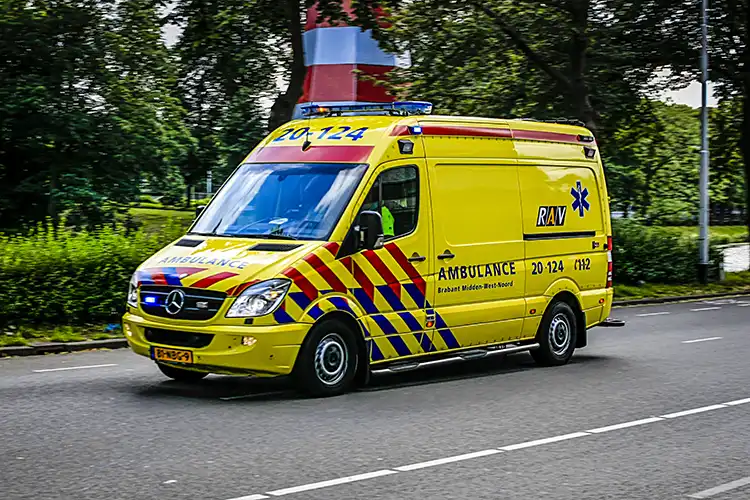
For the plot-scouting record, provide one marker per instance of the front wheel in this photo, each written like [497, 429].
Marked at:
[181, 374]
[556, 335]
[328, 360]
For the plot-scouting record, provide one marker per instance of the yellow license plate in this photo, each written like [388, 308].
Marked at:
[174, 355]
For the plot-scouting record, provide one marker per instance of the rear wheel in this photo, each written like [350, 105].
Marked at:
[328, 360]
[181, 374]
[556, 335]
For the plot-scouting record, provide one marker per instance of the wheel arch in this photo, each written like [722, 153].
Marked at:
[354, 324]
[572, 300]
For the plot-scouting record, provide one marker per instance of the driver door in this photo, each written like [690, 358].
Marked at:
[396, 280]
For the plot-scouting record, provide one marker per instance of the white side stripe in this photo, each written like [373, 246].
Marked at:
[722, 488]
[625, 425]
[693, 411]
[539, 442]
[447, 460]
[701, 340]
[332, 482]
[738, 402]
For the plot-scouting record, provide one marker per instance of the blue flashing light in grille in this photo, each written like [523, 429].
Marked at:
[403, 108]
[150, 300]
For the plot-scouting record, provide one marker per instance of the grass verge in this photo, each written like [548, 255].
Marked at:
[721, 234]
[154, 219]
[734, 282]
[29, 335]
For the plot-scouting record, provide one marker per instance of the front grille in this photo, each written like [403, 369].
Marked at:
[178, 339]
[199, 305]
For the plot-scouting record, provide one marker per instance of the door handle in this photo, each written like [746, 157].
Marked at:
[446, 255]
[415, 257]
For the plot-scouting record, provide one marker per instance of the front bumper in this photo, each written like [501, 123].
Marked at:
[273, 353]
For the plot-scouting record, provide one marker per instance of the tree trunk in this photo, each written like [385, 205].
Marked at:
[283, 107]
[579, 45]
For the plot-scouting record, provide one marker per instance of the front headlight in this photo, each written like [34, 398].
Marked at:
[259, 299]
[133, 291]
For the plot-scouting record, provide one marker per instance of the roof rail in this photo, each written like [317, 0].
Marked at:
[561, 121]
[401, 108]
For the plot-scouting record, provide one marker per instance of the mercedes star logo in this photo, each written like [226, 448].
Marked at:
[175, 301]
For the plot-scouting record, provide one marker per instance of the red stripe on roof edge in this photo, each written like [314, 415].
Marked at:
[280, 154]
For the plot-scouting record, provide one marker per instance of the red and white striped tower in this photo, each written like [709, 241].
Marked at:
[332, 53]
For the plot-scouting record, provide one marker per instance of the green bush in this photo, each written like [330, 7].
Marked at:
[82, 277]
[73, 278]
[201, 201]
[656, 254]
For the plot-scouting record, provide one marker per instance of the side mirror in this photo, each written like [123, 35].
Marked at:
[199, 210]
[370, 229]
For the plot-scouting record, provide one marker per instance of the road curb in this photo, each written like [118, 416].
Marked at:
[58, 347]
[681, 298]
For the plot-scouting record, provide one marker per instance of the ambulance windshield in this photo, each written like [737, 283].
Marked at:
[281, 201]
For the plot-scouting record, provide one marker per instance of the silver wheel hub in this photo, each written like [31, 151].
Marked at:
[331, 359]
[559, 334]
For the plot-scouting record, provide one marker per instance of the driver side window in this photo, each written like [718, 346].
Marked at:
[395, 196]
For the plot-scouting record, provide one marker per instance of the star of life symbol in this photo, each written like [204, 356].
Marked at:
[579, 198]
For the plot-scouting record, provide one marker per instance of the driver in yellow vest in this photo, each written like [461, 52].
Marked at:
[371, 203]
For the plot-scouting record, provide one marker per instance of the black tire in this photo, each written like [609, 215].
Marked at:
[556, 335]
[180, 374]
[328, 360]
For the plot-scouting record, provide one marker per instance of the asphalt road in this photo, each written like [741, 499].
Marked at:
[613, 424]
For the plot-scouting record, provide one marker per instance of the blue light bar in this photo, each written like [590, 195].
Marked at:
[403, 108]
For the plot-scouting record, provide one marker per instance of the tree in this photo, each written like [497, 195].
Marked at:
[228, 56]
[584, 59]
[729, 59]
[83, 108]
[727, 186]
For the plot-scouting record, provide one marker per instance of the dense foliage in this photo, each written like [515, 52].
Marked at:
[82, 277]
[95, 104]
[72, 277]
[657, 254]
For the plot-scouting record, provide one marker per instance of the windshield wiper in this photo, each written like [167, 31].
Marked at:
[258, 236]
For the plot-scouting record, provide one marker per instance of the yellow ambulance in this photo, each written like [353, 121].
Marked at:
[383, 238]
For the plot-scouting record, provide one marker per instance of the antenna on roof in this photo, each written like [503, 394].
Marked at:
[307, 144]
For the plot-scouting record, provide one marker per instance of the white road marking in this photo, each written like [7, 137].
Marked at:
[625, 425]
[738, 402]
[332, 482]
[447, 460]
[519, 446]
[539, 442]
[685, 413]
[722, 488]
[73, 368]
[170, 481]
[744, 304]
[705, 309]
[654, 314]
[701, 340]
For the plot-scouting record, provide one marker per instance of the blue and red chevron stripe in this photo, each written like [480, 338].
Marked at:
[173, 276]
[165, 275]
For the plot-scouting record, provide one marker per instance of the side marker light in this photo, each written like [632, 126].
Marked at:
[405, 146]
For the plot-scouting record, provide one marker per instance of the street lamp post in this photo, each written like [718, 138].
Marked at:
[703, 215]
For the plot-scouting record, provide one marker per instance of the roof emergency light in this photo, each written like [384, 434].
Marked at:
[403, 108]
